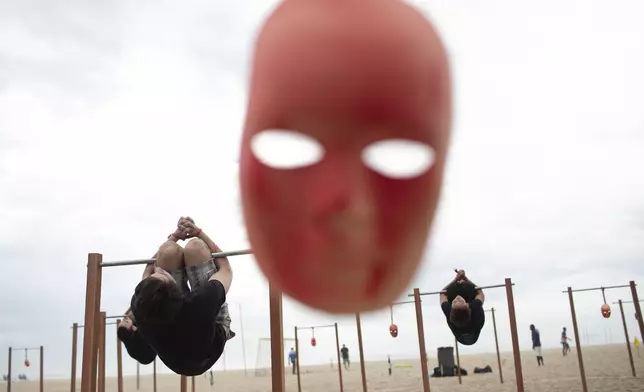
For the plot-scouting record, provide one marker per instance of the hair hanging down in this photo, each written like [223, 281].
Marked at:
[460, 316]
[156, 302]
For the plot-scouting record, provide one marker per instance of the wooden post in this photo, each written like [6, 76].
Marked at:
[74, 356]
[101, 353]
[9, 372]
[184, 384]
[496, 341]
[277, 341]
[119, 360]
[575, 329]
[337, 349]
[297, 361]
[42, 369]
[92, 302]
[138, 380]
[363, 373]
[628, 343]
[193, 384]
[638, 308]
[458, 362]
[518, 368]
[421, 340]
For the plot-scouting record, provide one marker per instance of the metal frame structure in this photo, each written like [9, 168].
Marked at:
[513, 330]
[638, 312]
[41, 364]
[95, 321]
[297, 350]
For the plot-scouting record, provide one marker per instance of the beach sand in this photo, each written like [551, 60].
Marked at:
[607, 370]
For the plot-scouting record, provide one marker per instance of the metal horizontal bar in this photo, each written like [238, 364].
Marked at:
[215, 255]
[82, 326]
[477, 287]
[113, 317]
[599, 288]
[402, 303]
[318, 326]
[627, 302]
[26, 348]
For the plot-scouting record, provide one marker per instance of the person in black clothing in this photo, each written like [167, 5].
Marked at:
[536, 344]
[187, 328]
[462, 304]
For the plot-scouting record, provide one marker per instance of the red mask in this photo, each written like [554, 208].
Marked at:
[338, 235]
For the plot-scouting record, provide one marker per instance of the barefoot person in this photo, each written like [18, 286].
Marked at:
[187, 329]
[564, 342]
[345, 357]
[536, 344]
[462, 304]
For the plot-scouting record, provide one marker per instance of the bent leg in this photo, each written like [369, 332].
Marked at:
[170, 259]
[199, 268]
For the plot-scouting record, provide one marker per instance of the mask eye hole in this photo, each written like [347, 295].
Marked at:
[284, 149]
[399, 158]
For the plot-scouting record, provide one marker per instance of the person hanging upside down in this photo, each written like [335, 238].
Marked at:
[187, 328]
[127, 331]
[462, 304]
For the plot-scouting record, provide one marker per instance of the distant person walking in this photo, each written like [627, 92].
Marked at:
[344, 351]
[292, 359]
[536, 344]
[564, 342]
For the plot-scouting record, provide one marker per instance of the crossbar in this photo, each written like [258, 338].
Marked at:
[627, 302]
[113, 317]
[402, 303]
[82, 326]
[216, 255]
[621, 286]
[445, 292]
[318, 326]
[25, 348]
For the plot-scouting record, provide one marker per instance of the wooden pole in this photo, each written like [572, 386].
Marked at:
[42, 369]
[88, 372]
[458, 362]
[277, 341]
[337, 349]
[9, 372]
[628, 343]
[363, 373]
[297, 361]
[138, 380]
[496, 341]
[638, 308]
[518, 368]
[184, 384]
[74, 354]
[421, 340]
[193, 384]
[119, 361]
[575, 329]
[101, 353]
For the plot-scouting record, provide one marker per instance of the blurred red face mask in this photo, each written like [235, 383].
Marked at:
[343, 149]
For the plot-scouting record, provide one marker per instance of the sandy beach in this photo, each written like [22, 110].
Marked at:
[607, 370]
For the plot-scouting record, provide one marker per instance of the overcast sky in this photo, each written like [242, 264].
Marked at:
[118, 117]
